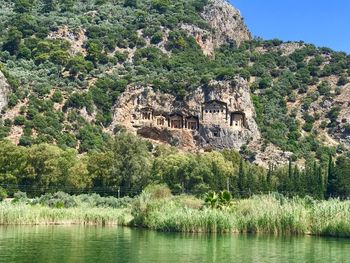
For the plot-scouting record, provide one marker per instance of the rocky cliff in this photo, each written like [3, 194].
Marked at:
[194, 122]
[226, 27]
[226, 22]
[4, 90]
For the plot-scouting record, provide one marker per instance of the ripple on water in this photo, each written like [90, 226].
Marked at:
[42, 244]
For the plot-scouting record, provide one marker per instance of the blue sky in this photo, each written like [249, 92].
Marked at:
[320, 22]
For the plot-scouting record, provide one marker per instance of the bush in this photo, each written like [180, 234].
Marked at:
[157, 38]
[324, 88]
[3, 194]
[342, 80]
[56, 200]
[130, 3]
[20, 197]
[19, 120]
[158, 191]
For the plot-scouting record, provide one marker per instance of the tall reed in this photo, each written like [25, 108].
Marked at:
[17, 214]
[259, 214]
[268, 214]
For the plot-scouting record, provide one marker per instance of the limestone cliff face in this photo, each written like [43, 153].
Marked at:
[4, 91]
[217, 116]
[226, 27]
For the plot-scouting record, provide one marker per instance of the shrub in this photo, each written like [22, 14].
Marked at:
[157, 38]
[131, 3]
[56, 200]
[3, 194]
[19, 120]
[158, 191]
[342, 80]
[20, 197]
[324, 88]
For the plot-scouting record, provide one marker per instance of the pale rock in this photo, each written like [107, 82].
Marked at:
[4, 91]
[209, 135]
[226, 26]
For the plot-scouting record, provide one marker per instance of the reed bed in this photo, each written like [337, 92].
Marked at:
[268, 214]
[259, 214]
[23, 214]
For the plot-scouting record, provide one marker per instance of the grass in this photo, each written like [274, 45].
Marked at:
[23, 214]
[267, 214]
[259, 214]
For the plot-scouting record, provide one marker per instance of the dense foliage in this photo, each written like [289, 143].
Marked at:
[129, 164]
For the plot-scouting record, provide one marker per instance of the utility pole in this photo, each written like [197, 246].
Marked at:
[118, 192]
[228, 184]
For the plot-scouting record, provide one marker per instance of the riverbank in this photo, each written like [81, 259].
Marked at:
[269, 214]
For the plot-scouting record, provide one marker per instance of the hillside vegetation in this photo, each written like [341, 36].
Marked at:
[68, 61]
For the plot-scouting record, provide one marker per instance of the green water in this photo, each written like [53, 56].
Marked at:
[44, 244]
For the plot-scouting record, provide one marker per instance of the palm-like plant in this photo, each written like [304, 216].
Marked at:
[211, 199]
[220, 200]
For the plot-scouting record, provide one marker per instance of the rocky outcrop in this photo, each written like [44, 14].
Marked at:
[226, 26]
[226, 21]
[210, 133]
[75, 39]
[4, 91]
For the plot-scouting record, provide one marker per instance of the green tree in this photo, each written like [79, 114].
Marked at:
[99, 165]
[12, 162]
[78, 176]
[131, 3]
[47, 168]
[94, 51]
[331, 180]
[49, 6]
[242, 179]
[13, 41]
[131, 163]
[342, 177]
[161, 5]
[23, 6]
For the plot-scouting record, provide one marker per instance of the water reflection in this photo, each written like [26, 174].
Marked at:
[44, 244]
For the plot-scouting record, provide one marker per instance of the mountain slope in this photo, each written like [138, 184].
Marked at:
[71, 64]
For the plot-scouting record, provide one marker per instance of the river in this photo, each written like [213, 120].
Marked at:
[46, 244]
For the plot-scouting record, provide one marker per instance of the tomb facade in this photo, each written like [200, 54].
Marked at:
[192, 123]
[214, 112]
[176, 121]
[238, 120]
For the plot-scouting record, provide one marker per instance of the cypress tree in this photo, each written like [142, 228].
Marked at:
[296, 181]
[320, 184]
[289, 184]
[241, 178]
[314, 181]
[330, 178]
[269, 178]
[290, 169]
